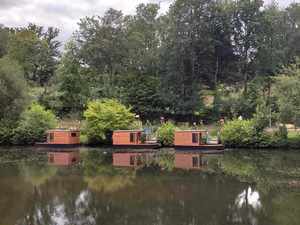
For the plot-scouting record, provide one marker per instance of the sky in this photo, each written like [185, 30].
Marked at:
[65, 14]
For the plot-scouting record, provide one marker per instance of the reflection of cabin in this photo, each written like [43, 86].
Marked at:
[62, 137]
[187, 160]
[63, 158]
[194, 139]
[132, 159]
[131, 138]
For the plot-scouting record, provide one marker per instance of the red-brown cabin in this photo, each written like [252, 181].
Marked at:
[62, 138]
[194, 139]
[132, 159]
[131, 139]
[63, 158]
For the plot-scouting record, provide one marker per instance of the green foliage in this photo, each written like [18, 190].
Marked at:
[4, 38]
[240, 133]
[165, 134]
[287, 93]
[143, 94]
[6, 134]
[36, 51]
[73, 90]
[34, 123]
[166, 161]
[12, 89]
[103, 117]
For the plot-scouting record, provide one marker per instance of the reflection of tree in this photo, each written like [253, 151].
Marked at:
[37, 174]
[267, 170]
[101, 176]
[108, 184]
[15, 193]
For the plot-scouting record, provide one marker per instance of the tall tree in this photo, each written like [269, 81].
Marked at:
[36, 51]
[246, 25]
[72, 85]
[4, 37]
[101, 42]
[143, 40]
[12, 89]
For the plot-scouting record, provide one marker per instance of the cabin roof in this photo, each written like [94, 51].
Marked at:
[62, 130]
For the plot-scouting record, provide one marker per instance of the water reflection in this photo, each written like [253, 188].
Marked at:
[96, 192]
[63, 158]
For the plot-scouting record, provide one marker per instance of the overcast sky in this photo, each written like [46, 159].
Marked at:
[65, 14]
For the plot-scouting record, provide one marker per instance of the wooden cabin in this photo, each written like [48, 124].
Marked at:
[132, 159]
[194, 139]
[131, 139]
[62, 138]
[63, 158]
[189, 160]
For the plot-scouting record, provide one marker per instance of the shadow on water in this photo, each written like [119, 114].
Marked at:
[154, 189]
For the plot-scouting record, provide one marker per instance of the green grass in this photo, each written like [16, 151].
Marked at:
[294, 135]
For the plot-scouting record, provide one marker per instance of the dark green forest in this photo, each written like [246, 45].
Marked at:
[200, 60]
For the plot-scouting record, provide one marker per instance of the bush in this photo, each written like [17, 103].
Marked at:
[282, 132]
[165, 134]
[105, 116]
[6, 132]
[240, 133]
[34, 123]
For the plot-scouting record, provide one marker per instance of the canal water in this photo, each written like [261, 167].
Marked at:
[247, 188]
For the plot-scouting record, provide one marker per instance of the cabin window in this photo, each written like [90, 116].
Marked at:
[131, 160]
[73, 134]
[195, 137]
[51, 137]
[195, 161]
[132, 137]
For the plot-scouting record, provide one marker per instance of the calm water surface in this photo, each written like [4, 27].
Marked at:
[94, 192]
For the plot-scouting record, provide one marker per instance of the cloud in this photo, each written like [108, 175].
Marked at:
[6, 4]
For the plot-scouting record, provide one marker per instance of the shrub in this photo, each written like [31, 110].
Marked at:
[105, 116]
[165, 134]
[240, 133]
[33, 125]
[6, 132]
[282, 132]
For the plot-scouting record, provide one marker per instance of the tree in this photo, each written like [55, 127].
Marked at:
[4, 37]
[246, 25]
[101, 42]
[71, 83]
[13, 94]
[36, 51]
[287, 93]
[186, 53]
[104, 116]
[34, 123]
[142, 40]
[142, 92]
